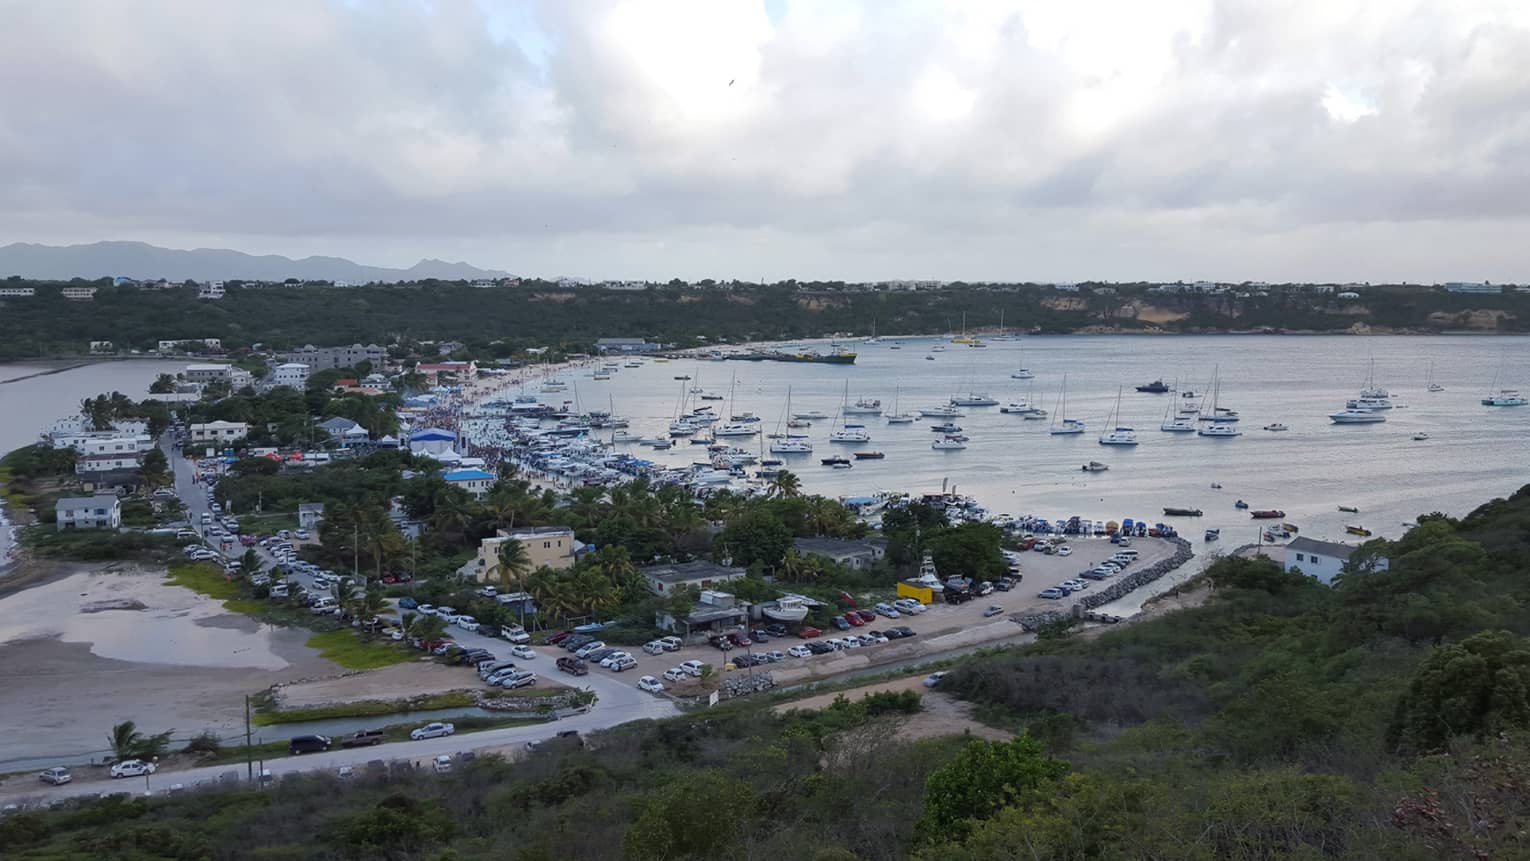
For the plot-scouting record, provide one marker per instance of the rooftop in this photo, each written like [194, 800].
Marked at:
[1321, 548]
[834, 546]
[530, 531]
[100, 500]
[468, 475]
[686, 572]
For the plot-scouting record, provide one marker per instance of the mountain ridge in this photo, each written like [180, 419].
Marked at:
[131, 259]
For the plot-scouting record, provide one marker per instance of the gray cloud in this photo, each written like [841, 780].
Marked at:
[976, 140]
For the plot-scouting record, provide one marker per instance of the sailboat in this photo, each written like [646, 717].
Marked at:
[1035, 412]
[963, 339]
[791, 443]
[1221, 427]
[1433, 386]
[895, 417]
[1177, 422]
[1497, 397]
[1371, 390]
[682, 425]
[1061, 424]
[851, 432]
[737, 425]
[1118, 434]
[1023, 373]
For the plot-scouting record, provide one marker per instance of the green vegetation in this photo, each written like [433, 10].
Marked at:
[209, 580]
[128, 743]
[495, 323]
[366, 708]
[348, 649]
[99, 545]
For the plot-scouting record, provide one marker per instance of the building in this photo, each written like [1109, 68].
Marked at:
[432, 441]
[188, 344]
[18, 292]
[96, 463]
[78, 294]
[328, 358]
[625, 345]
[345, 430]
[545, 546]
[310, 515]
[1347, 294]
[714, 612]
[475, 481]
[102, 511]
[432, 371]
[237, 378]
[1468, 287]
[294, 374]
[1324, 560]
[102, 347]
[210, 290]
[855, 555]
[102, 442]
[665, 579]
[219, 431]
[80, 424]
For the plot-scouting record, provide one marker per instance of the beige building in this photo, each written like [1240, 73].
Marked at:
[552, 546]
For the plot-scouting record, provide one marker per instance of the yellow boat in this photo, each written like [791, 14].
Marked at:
[1358, 530]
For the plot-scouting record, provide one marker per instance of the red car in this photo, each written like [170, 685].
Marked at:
[807, 632]
[845, 600]
[867, 616]
[854, 618]
[740, 639]
[556, 638]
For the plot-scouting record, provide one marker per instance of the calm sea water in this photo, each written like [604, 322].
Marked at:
[1012, 465]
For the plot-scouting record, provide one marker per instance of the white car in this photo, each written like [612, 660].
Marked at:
[933, 679]
[467, 623]
[589, 649]
[651, 685]
[426, 609]
[442, 764]
[653, 647]
[133, 768]
[670, 644]
[433, 730]
[57, 776]
[623, 664]
[523, 652]
[799, 651]
[692, 668]
[675, 674]
[875, 637]
[613, 659]
[518, 680]
[851, 642]
[1065, 551]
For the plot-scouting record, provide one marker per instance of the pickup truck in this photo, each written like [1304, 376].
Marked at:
[573, 666]
[363, 738]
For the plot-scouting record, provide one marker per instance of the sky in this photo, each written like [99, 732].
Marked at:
[1367, 140]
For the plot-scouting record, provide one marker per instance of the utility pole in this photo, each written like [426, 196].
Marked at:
[249, 767]
[356, 550]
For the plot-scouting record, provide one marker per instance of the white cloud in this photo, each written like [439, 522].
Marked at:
[999, 139]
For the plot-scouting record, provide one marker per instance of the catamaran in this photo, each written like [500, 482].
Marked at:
[1221, 426]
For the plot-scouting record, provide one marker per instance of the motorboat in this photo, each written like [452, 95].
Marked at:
[625, 436]
[787, 608]
[791, 445]
[811, 415]
[851, 433]
[682, 376]
[973, 399]
[946, 412]
[663, 445]
[1034, 414]
[946, 428]
[834, 460]
[1267, 514]
[798, 424]
[1094, 466]
[1240, 504]
[710, 396]
[1420, 436]
[1356, 417]
[928, 577]
[1436, 387]
[948, 443]
[1023, 374]
[1276, 426]
[1015, 408]
[1350, 509]
[1358, 530]
[868, 455]
[681, 428]
[864, 407]
[1156, 387]
[1213, 534]
[1219, 430]
[1368, 404]
[652, 440]
[1216, 485]
[1182, 512]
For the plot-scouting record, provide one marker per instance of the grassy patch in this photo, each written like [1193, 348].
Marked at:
[367, 708]
[207, 580]
[262, 524]
[348, 650]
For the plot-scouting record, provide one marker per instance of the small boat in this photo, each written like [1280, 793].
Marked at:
[836, 460]
[864, 407]
[1356, 417]
[683, 376]
[1023, 374]
[1213, 534]
[845, 465]
[1156, 387]
[787, 608]
[1420, 436]
[973, 399]
[869, 455]
[946, 427]
[1358, 530]
[1182, 512]
[1276, 427]
[711, 396]
[1349, 508]
[949, 443]
[1240, 504]
[663, 445]
[799, 424]
[599, 377]
[1216, 485]
[1267, 514]
[1095, 466]
[929, 358]
[810, 415]
[625, 436]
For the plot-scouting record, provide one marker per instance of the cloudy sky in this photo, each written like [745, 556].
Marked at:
[983, 139]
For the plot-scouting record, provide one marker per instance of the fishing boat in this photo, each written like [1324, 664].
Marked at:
[1061, 424]
[1240, 504]
[787, 608]
[948, 443]
[1349, 508]
[1213, 534]
[834, 460]
[1358, 530]
[1182, 512]
[1267, 514]
[1156, 387]
[1356, 417]
[1276, 427]
[1094, 466]
[1119, 435]
[1420, 436]
[868, 455]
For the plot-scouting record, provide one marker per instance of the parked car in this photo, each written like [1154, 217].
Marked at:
[799, 651]
[894, 634]
[675, 674]
[556, 637]
[442, 764]
[1065, 550]
[867, 616]
[572, 666]
[671, 644]
[133, 768]
[301, 744]
[58, 776]
[692, 668]
[1052, 593]
[759, 635]
[876, 636]
[905, 631]
[433, 730]
[820, 647]
[854, 619]
[653, 647]
[523, 652]
[992, 610]
[775, 629]
[520, 680]
[363, 738]
[621, 665]
[588, 648]
[599, 655]
[425, 609]
[933, 679]
[807, 632]
[774, 656]
[612, 659]
[651, 685]
[407, 603]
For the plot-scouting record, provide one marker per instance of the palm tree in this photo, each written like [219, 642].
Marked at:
[427, 629]
[371, 604]
[796, 568]
[344, 593]
[514, 562]
[585, 505]
[786, 485]
[125, 740]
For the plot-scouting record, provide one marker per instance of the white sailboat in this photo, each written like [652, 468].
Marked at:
[1061, 424]
[1117, 434]
[1220, 427]
[790, 443]
[1433, 386]
[895, 417]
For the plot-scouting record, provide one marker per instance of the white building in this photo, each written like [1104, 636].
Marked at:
[210, 290]
[91, 463]
[102, 347]
[102, 511]
[177, 345]
[1323, 560]
[79, 425]
[18, 291]
[294, 374]
[475, 481]
[79, 294]
[102, 442]
[219, 431]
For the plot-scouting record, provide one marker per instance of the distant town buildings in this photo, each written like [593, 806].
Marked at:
[168, 347]
[78, 294]
[18, 292]
[327, 358]
[210, 290]
[294, 374]
[1469, 287]
[219, 431]
[625, 345]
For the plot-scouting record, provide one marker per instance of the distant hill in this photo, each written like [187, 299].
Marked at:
[141, 260]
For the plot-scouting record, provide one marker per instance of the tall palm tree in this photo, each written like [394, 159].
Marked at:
[125, 740]
[344, 593]
[796, 568]
[427, 629]
[786, 485]
[514, 562]
[372, 603]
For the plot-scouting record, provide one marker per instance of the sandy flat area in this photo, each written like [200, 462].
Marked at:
[941, 715]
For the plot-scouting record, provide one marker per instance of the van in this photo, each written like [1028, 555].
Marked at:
[1128, 554]
[301, 744]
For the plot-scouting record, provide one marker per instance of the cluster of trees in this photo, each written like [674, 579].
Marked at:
[104, 409]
